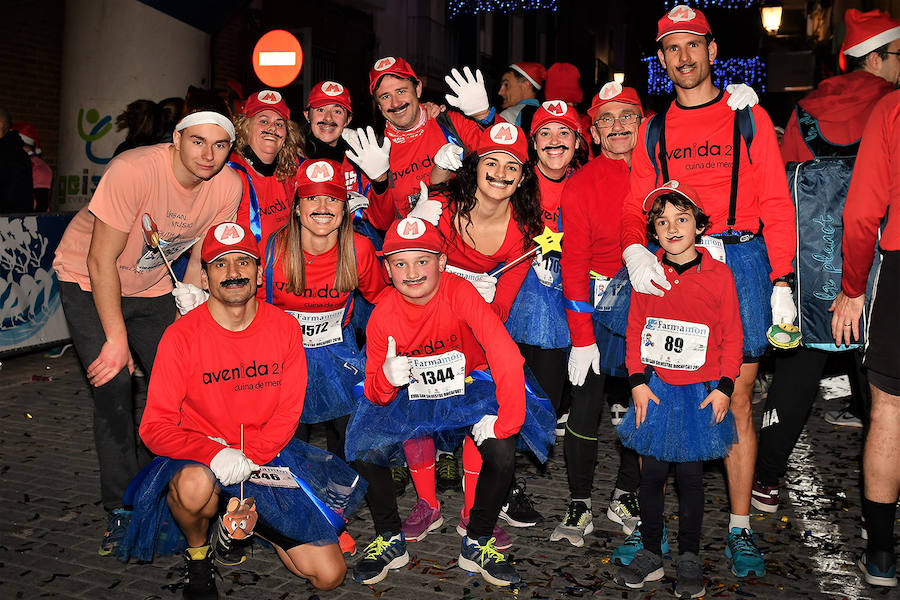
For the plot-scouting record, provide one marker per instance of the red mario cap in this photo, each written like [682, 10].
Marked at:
[682, 19]
[329, 92]
[389, 65]
[669, 187]
[266, 100]
[534, 72]
[225, 238]
[614, 92]
[564, 82]
[504, 137]
[28, 133]
[555, 111]
[867, 31]
[322, 176]
[412, 233]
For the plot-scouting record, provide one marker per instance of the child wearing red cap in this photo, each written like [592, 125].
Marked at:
[683, 354]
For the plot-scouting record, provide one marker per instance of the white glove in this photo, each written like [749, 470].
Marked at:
[484, 429]
[395, 368]
[471, 96]
[486, 286]
[230, 466]
[539, 265]
[582, 358]
[742, 96]
[783, 309]
[449, 157]
[188, 297]
[643, 268]
[426, 208]
[373, 159]
[218, 440]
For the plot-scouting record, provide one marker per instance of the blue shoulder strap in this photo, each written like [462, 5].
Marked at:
[255, 226]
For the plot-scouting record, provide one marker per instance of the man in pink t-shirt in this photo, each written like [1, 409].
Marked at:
[115, 288]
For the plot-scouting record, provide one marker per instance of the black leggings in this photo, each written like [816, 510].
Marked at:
[335, 432]
[549, 368]
[689, 481]
[580, 443]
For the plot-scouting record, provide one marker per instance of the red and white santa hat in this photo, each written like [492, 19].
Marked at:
[28, 133]
[867, 31]
[389, 65]
[504, 137]
[614, 92]
[225, 238]
[555, 111]
[321, 177]
[329, 92]
[534, 72]
[267, 100]
[412, 233]
[673, 187]
[682, 19]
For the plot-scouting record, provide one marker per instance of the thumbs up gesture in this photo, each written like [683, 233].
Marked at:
[395, 368]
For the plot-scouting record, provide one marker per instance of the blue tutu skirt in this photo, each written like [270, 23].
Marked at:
[610, 342]
[376, 433]
[676, 430]
[291, 512]
[333, 371]
[749, 264]
[537, 317]
[362, 310]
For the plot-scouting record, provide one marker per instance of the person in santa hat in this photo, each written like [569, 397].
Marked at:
[520, 89]
[41, 174]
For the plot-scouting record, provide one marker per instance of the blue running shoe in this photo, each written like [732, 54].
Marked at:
[386, 552]
[879, 568]
[481, 556]
[624, 554]
[743, 554]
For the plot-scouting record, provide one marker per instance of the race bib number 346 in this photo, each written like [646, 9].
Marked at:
[672, 344]
[438, 376]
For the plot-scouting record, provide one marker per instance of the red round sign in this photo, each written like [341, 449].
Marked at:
[277, 58]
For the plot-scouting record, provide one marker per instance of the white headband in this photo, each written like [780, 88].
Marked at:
[207, 116]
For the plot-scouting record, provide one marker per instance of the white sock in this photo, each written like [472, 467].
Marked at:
[618, 492]
[739, 521]
[587, 501]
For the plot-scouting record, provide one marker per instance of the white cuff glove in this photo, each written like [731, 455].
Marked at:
[218, 440]
[230, 466]
[188, 297]
[364, 150]
[484, 429]
[742, 96]
[644, 270]
[471, 96]
[582, 358]
[426, 208]
[395, 368]
[486, 286]
[449, 157]
[782, 302]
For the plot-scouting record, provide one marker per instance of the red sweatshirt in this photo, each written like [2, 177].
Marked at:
[550, 194]
[456, 318]
[840, 104]
[874, 192]
[699, 146]
[275, 201]
[592, 211]
[207, 381]
[703, 295]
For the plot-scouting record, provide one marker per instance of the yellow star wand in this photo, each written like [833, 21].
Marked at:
[548, 241]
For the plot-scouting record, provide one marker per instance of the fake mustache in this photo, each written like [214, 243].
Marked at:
[242, 281]
[322, 214]
[562, 147]
[327, 123]
[274, 134]
[506, 181]
[414, 281]
[399, 108]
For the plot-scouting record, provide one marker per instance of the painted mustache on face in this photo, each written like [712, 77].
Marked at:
[327, 123]
[562, 147]
[242, 281]
[322, 213]
[414, 281]
[399, 108]
[613, 134]
[506, 181]
[274, 134]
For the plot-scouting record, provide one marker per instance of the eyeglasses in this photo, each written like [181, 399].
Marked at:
[627, 119]
[894, 53]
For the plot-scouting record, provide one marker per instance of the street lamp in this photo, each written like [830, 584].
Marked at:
[771, 16]
[619, 77]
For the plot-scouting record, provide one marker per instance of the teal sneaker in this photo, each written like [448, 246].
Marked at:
[480, 556]
[386, 552]
[879, 568]
[742, 553]
[624, 554]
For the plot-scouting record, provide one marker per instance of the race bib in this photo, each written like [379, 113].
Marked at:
[438, 376]
[547, 271]
[320, 329]
[467, 275]
[279, 477]
[600, 283]
[671, 344]
[714, 246]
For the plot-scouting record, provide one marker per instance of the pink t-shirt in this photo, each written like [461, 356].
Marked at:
[142, 181]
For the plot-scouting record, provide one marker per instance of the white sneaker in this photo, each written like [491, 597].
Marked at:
[561, 425]
[624, 510]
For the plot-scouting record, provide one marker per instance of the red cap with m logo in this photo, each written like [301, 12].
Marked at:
[321, 177]
[329, 92]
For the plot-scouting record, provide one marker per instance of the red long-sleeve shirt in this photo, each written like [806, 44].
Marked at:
[592, 211]
[275, 198]
[704, 294]
[456, 318]
[874, 192]
[699, 147]
[207, 381]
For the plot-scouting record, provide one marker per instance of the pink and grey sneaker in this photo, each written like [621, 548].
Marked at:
[764, 497]
[502, 540]
[422, 520]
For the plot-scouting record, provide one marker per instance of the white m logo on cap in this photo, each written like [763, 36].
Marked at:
[556, 107]
[610, 90]
[681, 13]
[319, 171]
[504, 133]
[269, 97]
[385, 63]
[410, 228]
[332, 88]
[229, 233]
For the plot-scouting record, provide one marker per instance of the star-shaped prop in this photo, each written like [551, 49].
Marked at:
[549, 241]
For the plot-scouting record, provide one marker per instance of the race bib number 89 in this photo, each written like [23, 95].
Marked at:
[672, 344]
[439, 376]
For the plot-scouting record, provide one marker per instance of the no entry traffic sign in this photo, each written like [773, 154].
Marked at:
[277, 58]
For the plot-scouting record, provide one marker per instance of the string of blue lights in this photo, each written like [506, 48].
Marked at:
[473, 7]
[751, 70]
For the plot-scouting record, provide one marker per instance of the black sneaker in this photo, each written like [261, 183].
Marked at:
[226, 551]
[116, 524]
[400, 477]
[199, 578]
[480, 556]
[644, 567]
[689, 572]
[446, 470]
[519, 508]
[386, 552]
